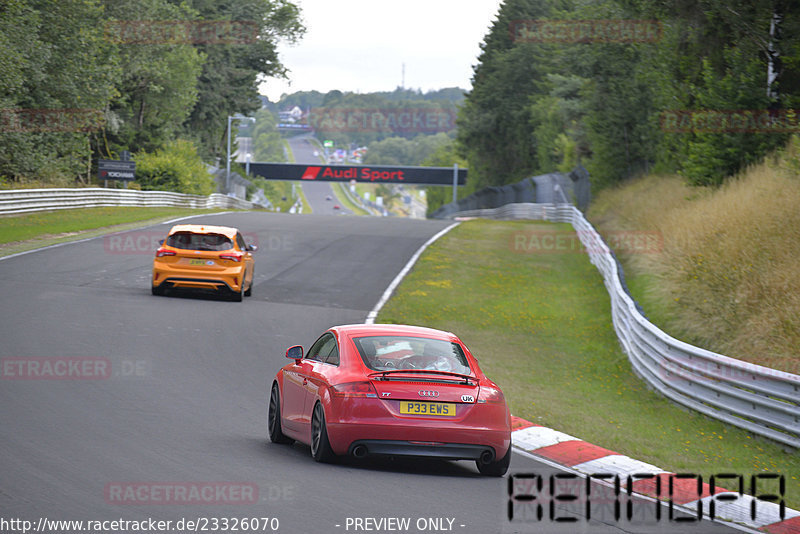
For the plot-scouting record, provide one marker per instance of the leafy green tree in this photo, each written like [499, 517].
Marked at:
[618, 110]
[267, 142]
[157, 85]
[402, 151]
[305, 100]
[713, 156]
[556, 119]
[175, 167]
[536, 107]
[83, 56]
[446, 155]
[715, 55]
[55, 66]
[232, 73]
[494, 123]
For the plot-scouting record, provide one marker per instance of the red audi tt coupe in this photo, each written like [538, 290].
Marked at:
[390, 390]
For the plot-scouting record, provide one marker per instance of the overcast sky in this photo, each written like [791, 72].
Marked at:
[361, 45]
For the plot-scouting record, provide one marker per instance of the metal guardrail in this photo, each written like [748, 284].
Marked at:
[759, 399]
[369, 207]
[31, 200]
[552, 188]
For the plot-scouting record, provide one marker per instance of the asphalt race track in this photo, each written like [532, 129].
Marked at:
[317, 193]
[184, 404]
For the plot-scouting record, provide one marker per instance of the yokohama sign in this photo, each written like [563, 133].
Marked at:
[359, 173]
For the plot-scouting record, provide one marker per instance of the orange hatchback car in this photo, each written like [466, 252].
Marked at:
[204, 257]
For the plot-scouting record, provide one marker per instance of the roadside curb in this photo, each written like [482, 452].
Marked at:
[590, 459]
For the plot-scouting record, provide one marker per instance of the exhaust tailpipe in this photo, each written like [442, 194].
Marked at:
[359, 451]
[487, 457]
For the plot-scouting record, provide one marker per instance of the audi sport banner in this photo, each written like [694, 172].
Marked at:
[379, 174]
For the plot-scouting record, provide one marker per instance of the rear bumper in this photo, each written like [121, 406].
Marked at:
[362, 419]
[446, 441]
[445, 451]
[166, 276]
[195, 283]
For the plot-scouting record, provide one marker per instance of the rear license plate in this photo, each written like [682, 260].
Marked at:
[200, 262]
[427, 408]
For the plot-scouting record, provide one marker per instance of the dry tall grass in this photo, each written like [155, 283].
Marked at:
[728, 276]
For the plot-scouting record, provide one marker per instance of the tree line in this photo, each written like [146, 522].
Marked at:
[139, 75]
[698, 87]
[346, 117]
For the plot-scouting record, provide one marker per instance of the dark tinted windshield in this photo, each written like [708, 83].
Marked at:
[191, 241]
[382, 353]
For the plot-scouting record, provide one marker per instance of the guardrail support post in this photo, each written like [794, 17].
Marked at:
[455, 180]
[228, 161]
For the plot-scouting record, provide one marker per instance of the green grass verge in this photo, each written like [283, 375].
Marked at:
[277, 191]
[19, 233]
[344, 199]
[362, 188]
[289, 151]
[303, 200]
[540, 325]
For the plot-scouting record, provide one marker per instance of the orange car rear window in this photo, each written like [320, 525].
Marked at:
[192, 241]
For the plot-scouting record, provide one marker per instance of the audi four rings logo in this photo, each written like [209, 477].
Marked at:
[428, 393]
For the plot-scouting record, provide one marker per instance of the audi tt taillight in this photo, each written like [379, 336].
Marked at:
[160, 253]
[490, 395]
[354, 389]
[233, 256]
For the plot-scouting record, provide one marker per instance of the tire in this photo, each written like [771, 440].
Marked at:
[157, 290]
[236, 296]
[249, 292]
[320, 446]
[495, 469]
[274, 417]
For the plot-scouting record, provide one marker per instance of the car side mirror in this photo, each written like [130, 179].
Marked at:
[251, 248]
[295, 353]
[161, 241]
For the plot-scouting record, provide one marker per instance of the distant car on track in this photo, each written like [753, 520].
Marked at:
[393, 390]
[337, 207]
[204, 257]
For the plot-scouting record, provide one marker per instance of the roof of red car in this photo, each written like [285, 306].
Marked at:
[356, 330]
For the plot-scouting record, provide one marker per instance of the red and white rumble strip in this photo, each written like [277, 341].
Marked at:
[590, 459]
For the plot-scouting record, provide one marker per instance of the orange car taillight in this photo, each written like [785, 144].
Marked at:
[354, 389]
[233, 256]
[490, 395]
[160, 253]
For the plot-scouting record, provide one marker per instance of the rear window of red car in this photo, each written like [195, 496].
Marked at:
[382, 353]
[192, 241]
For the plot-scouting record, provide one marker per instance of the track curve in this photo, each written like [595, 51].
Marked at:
[186, 399]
